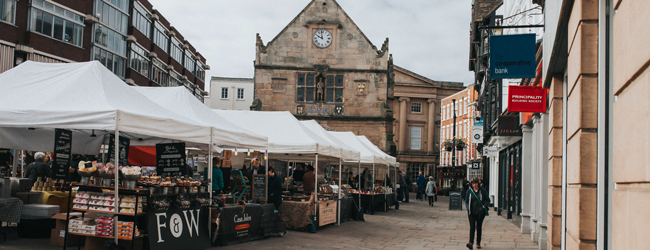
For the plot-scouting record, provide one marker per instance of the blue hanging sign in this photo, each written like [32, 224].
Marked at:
[512, 56]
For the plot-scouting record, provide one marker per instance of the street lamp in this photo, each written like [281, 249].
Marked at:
[453, 152]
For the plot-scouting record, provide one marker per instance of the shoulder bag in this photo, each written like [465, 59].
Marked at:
[479, 201]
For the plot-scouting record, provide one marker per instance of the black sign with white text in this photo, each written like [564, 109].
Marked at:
[179, 228]
[239, 224]
[124, 150]
[170, 158]
[62, 153]
[259, 187]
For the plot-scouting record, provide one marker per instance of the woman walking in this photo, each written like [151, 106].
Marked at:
[431, 190]
[476, 202]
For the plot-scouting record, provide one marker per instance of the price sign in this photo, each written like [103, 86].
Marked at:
[259, 187]
[124, 150]
[62, 153]
[170, 158]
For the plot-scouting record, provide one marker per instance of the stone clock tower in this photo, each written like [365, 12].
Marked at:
[321, 66]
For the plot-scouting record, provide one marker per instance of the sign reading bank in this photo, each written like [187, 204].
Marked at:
[512, 56]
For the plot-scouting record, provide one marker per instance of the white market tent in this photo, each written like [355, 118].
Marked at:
[225, 134]
[348, 154]
[87, 98]
[367, 156]
[387, 159]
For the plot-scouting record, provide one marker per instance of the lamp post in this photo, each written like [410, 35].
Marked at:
[453, 152]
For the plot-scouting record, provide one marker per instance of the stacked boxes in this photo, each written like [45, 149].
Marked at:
[99, 202]
[105, 225]
[128, 205]
[82, 226]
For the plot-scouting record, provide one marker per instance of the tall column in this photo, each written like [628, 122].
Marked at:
[431, 123]
[402, 123]
[526, 169]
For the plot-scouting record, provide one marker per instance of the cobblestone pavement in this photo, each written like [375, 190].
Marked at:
[414, 226]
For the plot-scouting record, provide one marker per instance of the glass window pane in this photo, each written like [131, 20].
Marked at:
[58, 28]
[330, 95]
[38, 3]
[78, 32]
[47, 24]
[97, 54]
[111, 17]
[105, 14]
[69, 32]
[301, 80]
[38, 25]
[125, 24]
[102, 57]
[300, 96]
[330, 81]
[109, 61]
[70, 15]
[98, 10]
[48, 6]
[310, 80]
[339, 81]
[339, 95]
[119, 66]
[59, 11]
[310, 93]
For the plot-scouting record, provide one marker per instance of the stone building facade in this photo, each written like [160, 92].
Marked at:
[321, 66]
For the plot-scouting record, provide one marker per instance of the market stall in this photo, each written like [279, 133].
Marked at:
[289, 140]
[97, 108]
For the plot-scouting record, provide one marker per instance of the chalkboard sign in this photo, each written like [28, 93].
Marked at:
[62, 153]
[170, 158]
[259, 187]
[124, 150]
[455, 201]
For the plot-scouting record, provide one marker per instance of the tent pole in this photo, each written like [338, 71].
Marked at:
[316, 184]
[117, 181]
[209, 177]
[266, 195]
[339, 195]
[359, 182]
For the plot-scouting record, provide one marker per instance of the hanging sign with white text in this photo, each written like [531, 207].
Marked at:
[526, 99]
[512, 56]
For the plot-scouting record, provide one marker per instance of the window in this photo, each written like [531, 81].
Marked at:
[50, 20]
[224, 93]
[334, 88]
[141, 19]
[176, 50]
[240, 94]
[305, 91]
[200, 71]
[175, 79]
[139, 60]
[159, 73]
[416, 107]
[112, 16]
[112, 62]
[415, 138]
[189, 62]
[8, 11]
[110, 39]
[160, 37]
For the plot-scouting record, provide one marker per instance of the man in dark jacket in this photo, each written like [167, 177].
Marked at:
[38, 168]
[407, 187]
[421, 182]
[401, 181]
[275, 189]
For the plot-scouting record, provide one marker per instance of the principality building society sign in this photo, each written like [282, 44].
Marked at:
[512, 56]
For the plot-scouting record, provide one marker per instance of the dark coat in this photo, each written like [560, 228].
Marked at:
[38, 169]
[275, 191]
[469, 199]
[297, 175]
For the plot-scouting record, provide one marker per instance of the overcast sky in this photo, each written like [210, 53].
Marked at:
[428, 37]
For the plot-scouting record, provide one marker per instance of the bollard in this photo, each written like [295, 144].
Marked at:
[313, 224]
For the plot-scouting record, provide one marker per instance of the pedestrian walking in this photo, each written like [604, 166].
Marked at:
[421, 184]
[401, 184]
[476, 202]
[431, 190]
[407, 187]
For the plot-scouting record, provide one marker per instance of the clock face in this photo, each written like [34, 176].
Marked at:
[322, 38]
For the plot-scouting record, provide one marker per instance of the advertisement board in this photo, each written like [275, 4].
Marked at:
[512, 56]
[526, 99]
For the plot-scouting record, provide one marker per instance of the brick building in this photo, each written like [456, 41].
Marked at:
[321, 66]
[129, 37]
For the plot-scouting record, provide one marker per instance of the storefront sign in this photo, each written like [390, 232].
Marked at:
[512, 56]
[526, 99]
[62, 153]
[259, 187]
[490, 151]
[170, 158]
[326, 213]
[124, 150]
[508, 125]
[477, 134]
[179, 229]
[476, 165]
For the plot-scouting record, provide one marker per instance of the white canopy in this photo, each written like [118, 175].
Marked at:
[348, 154]
[389, 160]
[84, 96]
[368, 156]
[288, 138]
[224, 133]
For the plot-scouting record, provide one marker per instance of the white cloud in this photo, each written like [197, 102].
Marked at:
[428, 37]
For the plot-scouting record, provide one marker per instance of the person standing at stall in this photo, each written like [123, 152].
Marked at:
[431, 190]
[421, 183]
[476, 202]
[74, 167]
[217, 175]
[227, 172]
[298, 173]
[407, 187]
[275, 189]
[308, 180]
[38, 168]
